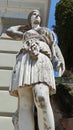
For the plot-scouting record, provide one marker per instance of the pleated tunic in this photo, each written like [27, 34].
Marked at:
[29, 71]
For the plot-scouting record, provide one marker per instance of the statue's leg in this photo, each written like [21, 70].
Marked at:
[25, 108]
[44, 110]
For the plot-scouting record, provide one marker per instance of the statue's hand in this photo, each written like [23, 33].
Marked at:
[59, 64]
[34, 50]
[60, 68]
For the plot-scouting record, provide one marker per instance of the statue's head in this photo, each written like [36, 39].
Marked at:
[34, 17]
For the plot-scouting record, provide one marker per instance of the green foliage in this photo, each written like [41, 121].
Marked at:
[64, 29]
[64, 99]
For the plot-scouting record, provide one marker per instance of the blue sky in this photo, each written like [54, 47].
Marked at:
[51, 20]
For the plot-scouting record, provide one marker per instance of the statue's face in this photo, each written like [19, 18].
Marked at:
[35, 18]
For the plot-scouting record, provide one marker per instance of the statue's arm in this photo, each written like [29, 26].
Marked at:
[58, 59]
[14, 32]
[61, 62]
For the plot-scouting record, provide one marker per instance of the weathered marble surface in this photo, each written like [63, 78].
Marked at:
[33, 74]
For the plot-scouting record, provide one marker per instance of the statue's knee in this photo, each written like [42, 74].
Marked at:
[40, 101]
[41, 94]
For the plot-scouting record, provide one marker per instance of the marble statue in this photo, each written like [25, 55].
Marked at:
[33, 74]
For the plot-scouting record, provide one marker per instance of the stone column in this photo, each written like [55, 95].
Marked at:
[24, 117]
